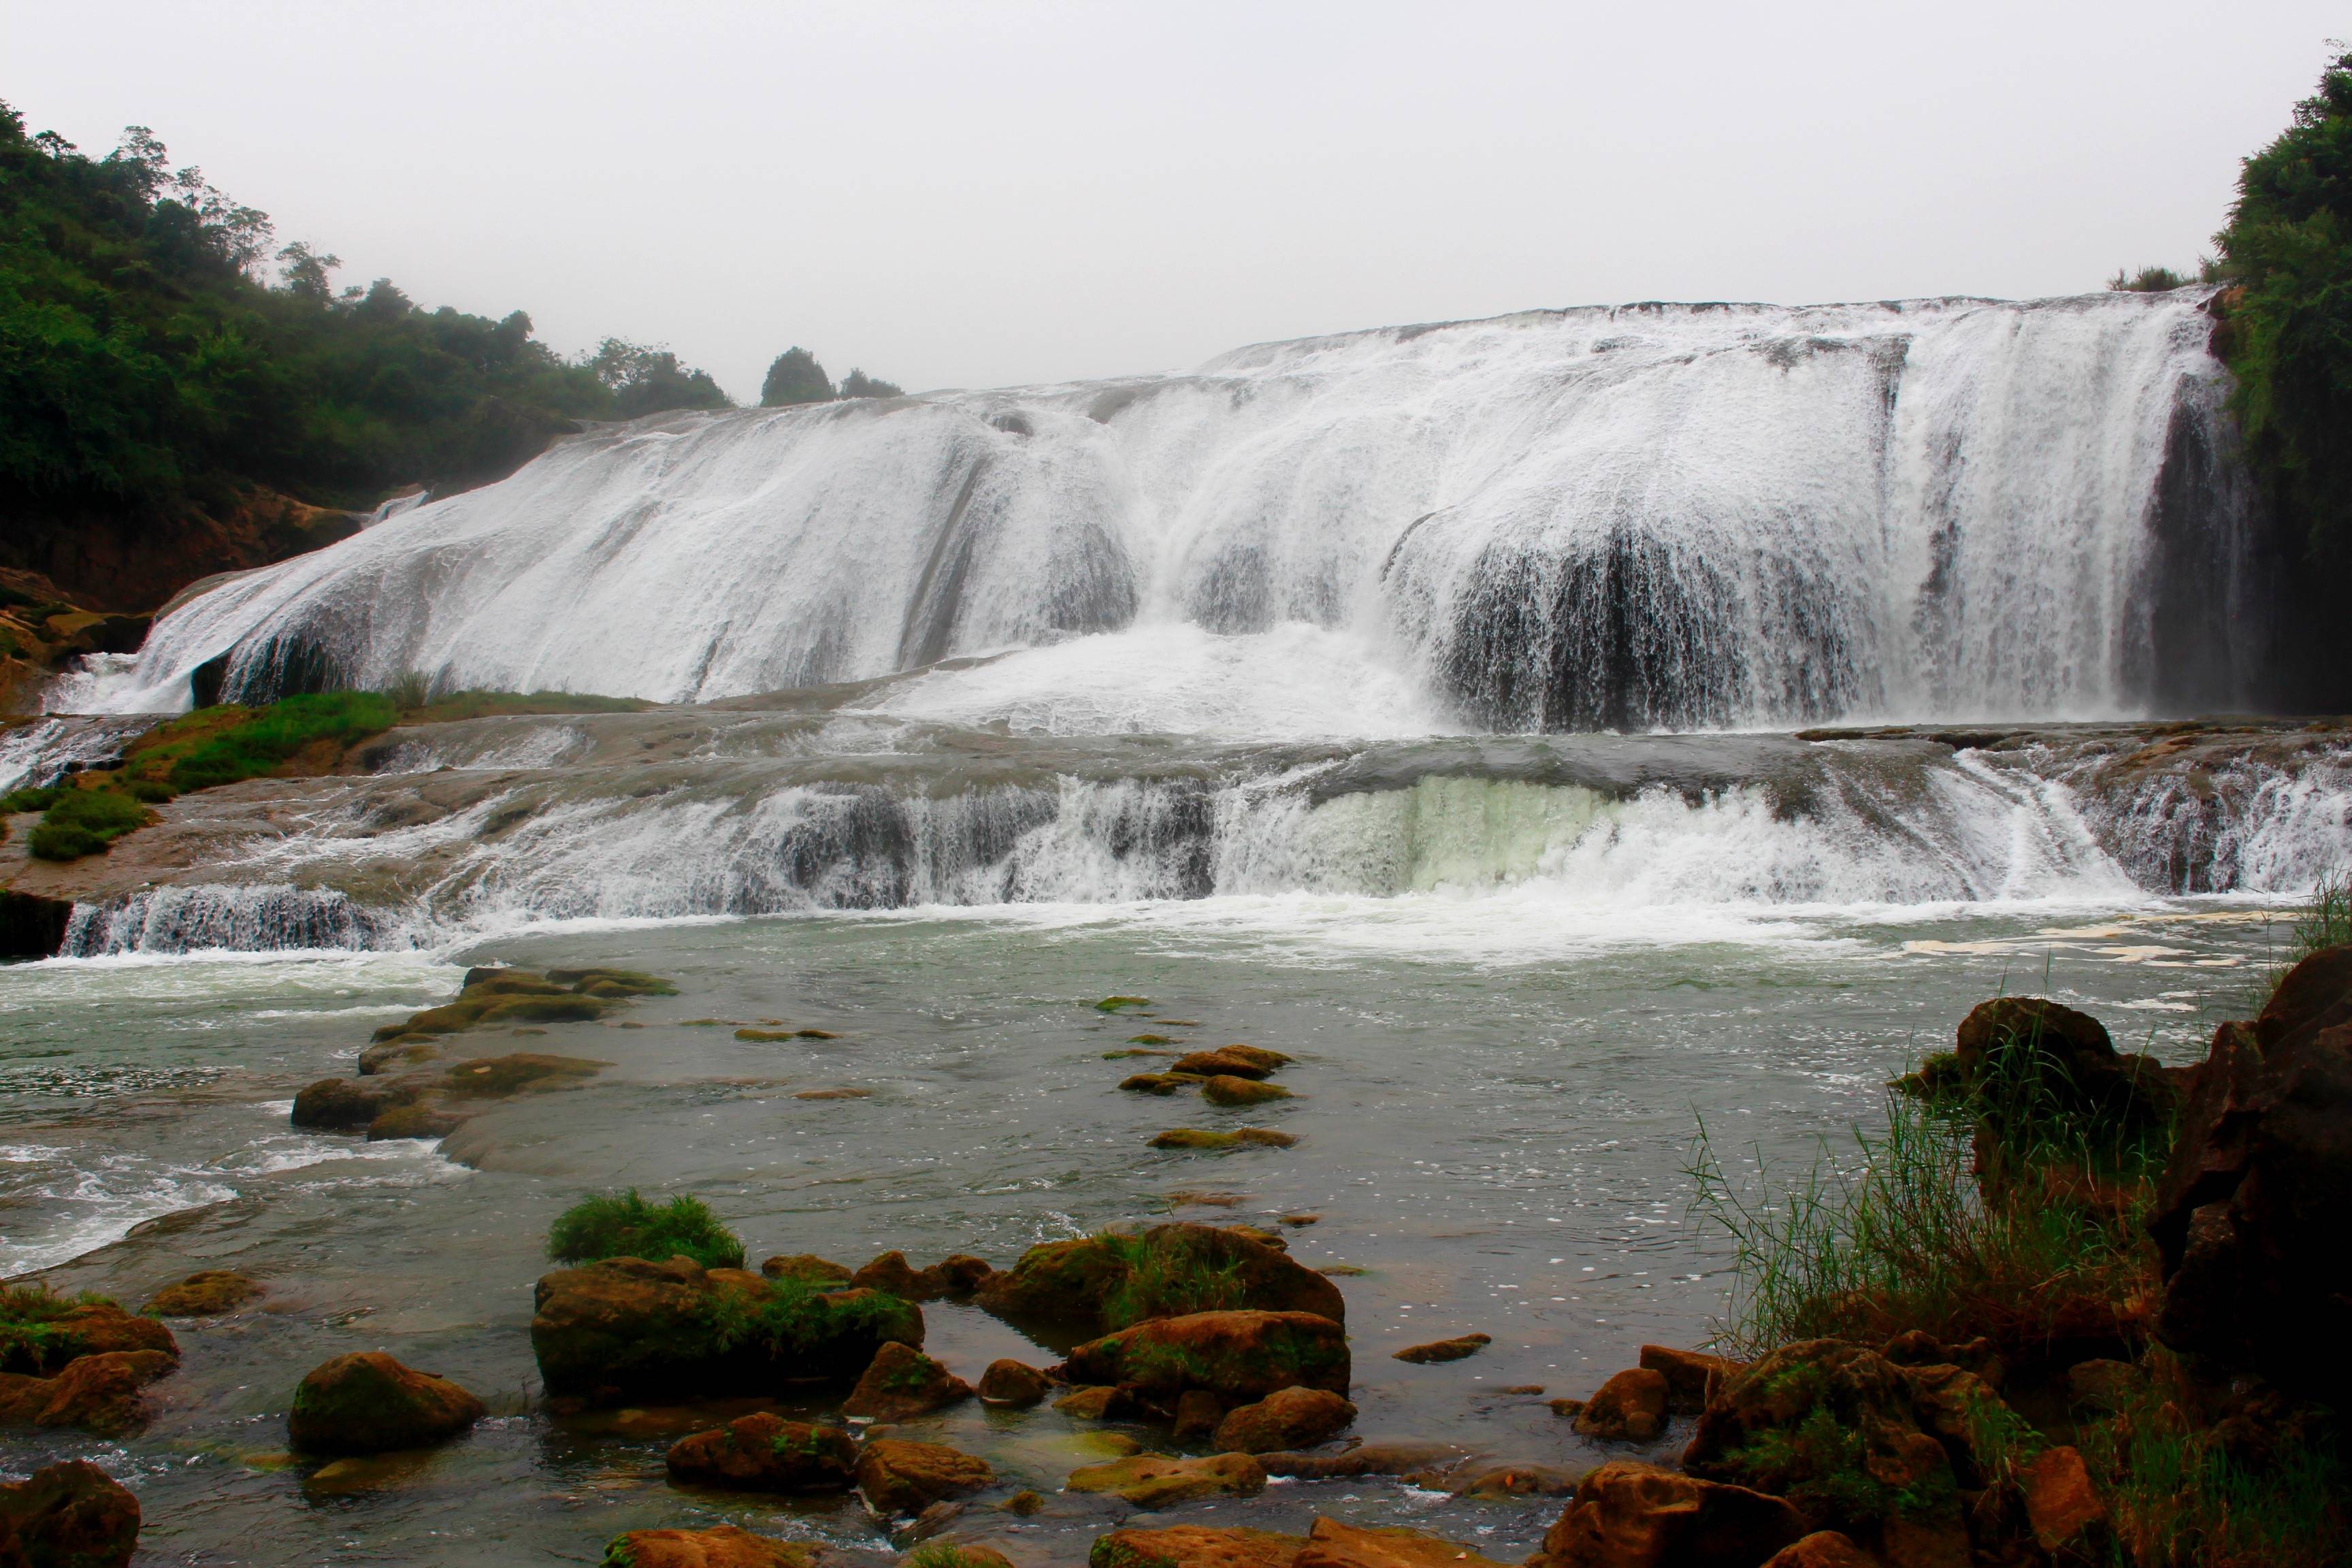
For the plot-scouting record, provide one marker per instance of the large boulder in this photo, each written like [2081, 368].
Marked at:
[724, 1547]
[2255, 1203]
[1631, 1407]
[367, 1403]
[1331, 1544]
[41, 1333]
[625, 1327]
[205, 1294]
[899, 1477]
[763, 1452]
[1287, 1418]
[1195, 1546]
[97, 1393]
[1631, 1515]
[1113, 1281]
[1857, 1444]
[901, 1384]
[1013, 1383]
[1157, 1481]
[1240, 1357]
[72, 1515]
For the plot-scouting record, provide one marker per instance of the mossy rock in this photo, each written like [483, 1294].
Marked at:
[1228, 1090]
[489, 1078]
[1239, 1356]
[1202, 1140]
[205, 1294]
[368, 1403]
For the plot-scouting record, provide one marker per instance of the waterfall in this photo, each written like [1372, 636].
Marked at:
[1643, 517]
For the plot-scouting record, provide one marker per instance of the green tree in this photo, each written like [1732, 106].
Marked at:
[857, 383]
[645, 380]
[2286, 254]
[794, 378]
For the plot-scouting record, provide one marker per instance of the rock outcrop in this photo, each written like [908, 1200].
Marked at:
[1287, 1418]
[899, 1477]
[2257, 1198]
[205, 1294]
[901, 1383]
[1240, 1357]
[98, 1392]
[367, 1403]
[724, 1547]
[1157, 1481]
[72, 1515]
[1631, 1515]
[1111, 1282]
[1631, 1407]
[40, 1334]
[763, 1452]
[627, 1328]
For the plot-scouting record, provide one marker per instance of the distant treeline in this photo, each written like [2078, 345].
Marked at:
[148, 377]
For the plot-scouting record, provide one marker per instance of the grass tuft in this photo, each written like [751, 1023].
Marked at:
[624, 1224]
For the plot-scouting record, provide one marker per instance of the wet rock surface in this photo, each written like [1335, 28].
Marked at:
[902, 1383]
[1158, 1480]
[98, 1392]
[1455, 1348]
[723, 1547]
[1195, 1546]
[625, 1328]
[765, 1453]
[205, 1294]
[1287, 1418]
[1631, 1515]
[72, 1515]
[1240, 1356]
[900, 1477]
[368, 1403]
[1168, 1270]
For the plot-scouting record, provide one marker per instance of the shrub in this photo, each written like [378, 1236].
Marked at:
[625, 1225]
[84, 822]
[1168, 1278]
[260, 743]
[2148, 280]
[39, 798]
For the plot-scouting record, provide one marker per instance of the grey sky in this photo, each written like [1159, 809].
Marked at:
[967, 195]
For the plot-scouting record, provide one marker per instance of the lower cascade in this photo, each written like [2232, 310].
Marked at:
[1642, 517]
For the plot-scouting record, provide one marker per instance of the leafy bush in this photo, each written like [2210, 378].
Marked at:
[84, 822]
[2148, 280]
[626, 1226]
[857, 383]
[35, 799]
[795, 378]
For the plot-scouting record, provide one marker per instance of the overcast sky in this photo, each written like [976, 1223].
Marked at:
[982, 194]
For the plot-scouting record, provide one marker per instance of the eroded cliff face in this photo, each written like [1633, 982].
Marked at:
[127, 565]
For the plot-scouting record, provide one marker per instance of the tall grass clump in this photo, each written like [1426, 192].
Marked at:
[261, 740]
[1168, 1278]
[84, 822]
[1897, 1233]
[624, 1225]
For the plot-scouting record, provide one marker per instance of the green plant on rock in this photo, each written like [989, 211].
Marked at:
[28, 1318]
[618, 1553]
[1168, 1277]
[792, 1317]
[624, 1224]
[946, 1555]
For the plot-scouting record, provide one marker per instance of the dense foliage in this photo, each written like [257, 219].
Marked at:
[2286, 256]
[145, 370]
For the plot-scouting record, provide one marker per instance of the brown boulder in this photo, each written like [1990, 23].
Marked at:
[1502, 1481]
[72, 1515]
[2020, 1060]
[807, 1267]
[2060, 1500]
[1237, 1356]
[625, 1327]
[1454, 1349]
[1331, 1544]
[40, 1334]
[893, 1275]
[1691, 1376]
[1629, 1515]
[1631, 1407]
[901, 1384]
[1013, 1383]
[1155, 1480]
[349, 1105]
[765, 1453]
[1823, 1549]
[1095, 1403]
[1857, 1444]
[1193, 1546]
[899, 1477]
[204, 1295]
[1160, 1083]
[96, 1393]
[1169, 1270]
[1229, 1061]
[2258, 1190]
[1287, 1418]
[723, 1547]
[368, 1403]
[1229, 1090]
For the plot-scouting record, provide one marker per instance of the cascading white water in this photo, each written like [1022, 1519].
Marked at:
[1647, 516]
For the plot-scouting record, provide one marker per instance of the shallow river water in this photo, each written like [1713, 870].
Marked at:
[1496, 1107]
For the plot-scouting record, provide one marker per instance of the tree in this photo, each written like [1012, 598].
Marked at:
[649, 380]
[306, 271]
[857, 383]
[2287, 255]
[795, 378]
